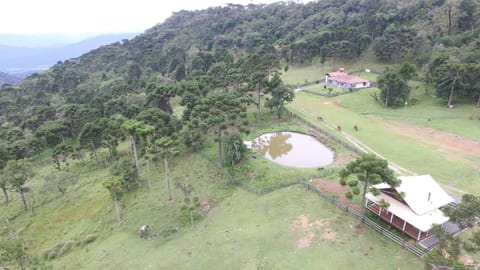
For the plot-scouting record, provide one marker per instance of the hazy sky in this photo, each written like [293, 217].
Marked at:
[94, 16]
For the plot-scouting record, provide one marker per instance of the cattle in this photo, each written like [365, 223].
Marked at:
[143, 231]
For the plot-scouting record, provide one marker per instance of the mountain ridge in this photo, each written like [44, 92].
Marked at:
[28, 58]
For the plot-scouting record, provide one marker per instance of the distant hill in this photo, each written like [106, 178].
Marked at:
[42, 40]
[7, 78]
[26, 58]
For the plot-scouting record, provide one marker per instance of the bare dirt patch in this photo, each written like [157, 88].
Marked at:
[329, 234]
[441, 139]
[341, 159]
[334, 188]
[307, 231]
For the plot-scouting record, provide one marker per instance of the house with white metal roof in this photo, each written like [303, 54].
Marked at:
[414, 205]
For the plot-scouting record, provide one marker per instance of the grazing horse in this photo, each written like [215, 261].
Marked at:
[143, 231]
[355, 127]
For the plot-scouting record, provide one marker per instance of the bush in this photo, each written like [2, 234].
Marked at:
[51, 255]
[343, 182]
[52, 252]
[89, 239]
[234, 149]
[66, 247]
[356, 190]
[349, 195]
[352, 183]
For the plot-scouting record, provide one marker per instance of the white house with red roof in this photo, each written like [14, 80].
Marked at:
[341, 78]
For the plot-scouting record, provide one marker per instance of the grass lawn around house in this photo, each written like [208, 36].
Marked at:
[328, 90]
[290, 228]
[311, 73]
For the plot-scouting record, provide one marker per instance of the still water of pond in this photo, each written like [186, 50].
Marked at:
[293, 149]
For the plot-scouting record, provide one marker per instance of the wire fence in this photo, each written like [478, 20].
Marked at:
[412, 247]
[326, 134]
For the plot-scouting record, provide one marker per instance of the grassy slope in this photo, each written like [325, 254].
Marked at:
[247, 231]
[244, 230]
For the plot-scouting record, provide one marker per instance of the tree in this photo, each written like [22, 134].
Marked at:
[136, 129]
[408, 71]
[18, 172]
[370, 170]
[466, 212]
[468, 15]
[280, 94]
[60, 154]
[259, 66]
[91, 137]
[111, 133]
[60, 181]
[124, 169]
[220, 112]
[13, 248]
[447, 81]
[53, 132]
[465, 215]
[234, 149]
[165, 124]
[4, 158]
[159, 96]
[113, 184]
[167, 147]
[393, 88]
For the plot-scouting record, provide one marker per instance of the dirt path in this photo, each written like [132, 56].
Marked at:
[365, 149]
[440, 139]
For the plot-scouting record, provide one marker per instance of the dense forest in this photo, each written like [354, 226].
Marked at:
[215, 63]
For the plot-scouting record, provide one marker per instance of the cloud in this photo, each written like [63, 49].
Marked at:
[94, 16]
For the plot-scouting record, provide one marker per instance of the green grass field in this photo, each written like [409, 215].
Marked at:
[376, 131]
[248, 231]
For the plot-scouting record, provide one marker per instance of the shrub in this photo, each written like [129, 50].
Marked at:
[343, 182]
[66, 247]
[89, 238]
[234, 149]
[349, 195]
[356, 190]
[52, 254]
[352, 183]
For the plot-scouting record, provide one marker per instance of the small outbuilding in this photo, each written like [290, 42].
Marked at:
[341, 79]
[414, 206]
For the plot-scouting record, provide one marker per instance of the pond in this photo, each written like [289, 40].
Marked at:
[293, 149]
